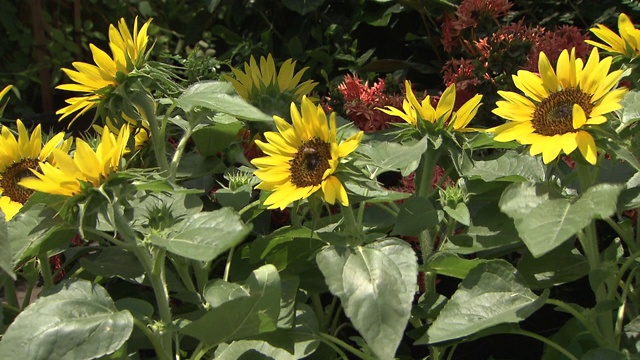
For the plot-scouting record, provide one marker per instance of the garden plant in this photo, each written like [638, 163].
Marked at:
[254, 190]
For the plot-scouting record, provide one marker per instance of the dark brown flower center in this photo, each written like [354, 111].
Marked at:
[554, 115]
[310, 163]
[12, 175]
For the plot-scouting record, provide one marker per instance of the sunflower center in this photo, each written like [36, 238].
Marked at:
[554, 115]
[310, 163]
[12, 175]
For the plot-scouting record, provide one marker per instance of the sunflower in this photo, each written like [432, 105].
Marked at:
[443, 116]
[559, 105]
[302, 158]
[627, 43]
[17, 158]
[95, 81]
[268, 89]
[67, 176]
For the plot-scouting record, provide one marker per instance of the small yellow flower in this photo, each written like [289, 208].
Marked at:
[268, 89]
[559, 106]
[94, 81]
[17, 158]
[66, 175]
[627, 43]
[302, 158]
[443, 113]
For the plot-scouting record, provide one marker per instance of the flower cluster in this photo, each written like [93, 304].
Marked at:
[361, 103]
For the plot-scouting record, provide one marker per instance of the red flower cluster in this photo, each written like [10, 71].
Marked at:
[361, 102]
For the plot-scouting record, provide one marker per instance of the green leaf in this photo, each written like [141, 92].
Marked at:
[489, 230]
[381, 156]
[298, 342]
[111, 262]
[37, 230]
[544, 222]
[544, 272]
[449, 264]
[211, 140]
[218, 96]
[416, 214]
[250, 309]
[460, 213]
[509, 166]
[492, 294]
[252, 349]
[79, 321]
[6, 257]
[630, 111]
[302, 7]
[375, 284]
[287, 248]
[205, 235]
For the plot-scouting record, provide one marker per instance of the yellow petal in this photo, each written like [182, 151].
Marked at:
[587, 147]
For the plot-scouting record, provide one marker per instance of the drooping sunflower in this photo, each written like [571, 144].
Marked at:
[443, 116]
[559, 106]
[267, 88]
[67, 175]
[17, 158]
[95, 81]
[627, 43]
[302, 158]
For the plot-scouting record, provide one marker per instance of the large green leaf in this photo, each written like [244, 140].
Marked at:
[381, 156]
[296, 343]
[205, 235]
[6, 256]
[111, 262]
[79, 321]
[239, 310]
[219, 96]
[491, 294]
[543, 272]
[509, 166]
[287, 248]
[449, 264]
[545, 221]
[375, 284]
[416, 214]
[37, 230]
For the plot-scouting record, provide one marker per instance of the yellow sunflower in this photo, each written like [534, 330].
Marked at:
[128, 53]
[442, 116]
[302, 158]
[268, 89]
[66, 175]
[627, 43]
[17, 158]
[559, 105]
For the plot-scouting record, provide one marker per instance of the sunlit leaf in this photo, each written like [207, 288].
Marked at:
[79, 321]
[205, 235]
[490, 295]
[375, 284]
[239, 310]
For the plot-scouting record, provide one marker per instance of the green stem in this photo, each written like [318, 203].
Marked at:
[177, 155]
[200, 351]
[620, 273]
[45, 270]
[296, 220]
[350, 220]
[182, 267]
[595, 331]
[10, 293]
[154, 266]
[345, 346]
[227, 265]
[147, 109]
[623, 235]
[387, 209]
[153, 339]
[319, 310]
[248, 207]
[549, 342]
[424, 172]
